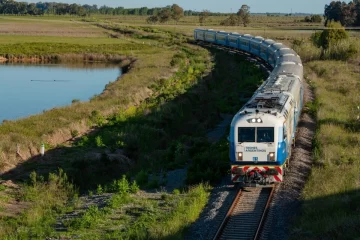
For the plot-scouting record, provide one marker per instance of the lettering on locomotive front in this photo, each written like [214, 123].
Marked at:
[254, 149]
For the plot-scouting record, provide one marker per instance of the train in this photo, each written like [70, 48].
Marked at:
[263, 131]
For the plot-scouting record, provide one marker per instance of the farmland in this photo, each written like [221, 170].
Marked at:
[152, 121]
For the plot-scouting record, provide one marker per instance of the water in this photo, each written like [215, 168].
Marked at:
[30, 89]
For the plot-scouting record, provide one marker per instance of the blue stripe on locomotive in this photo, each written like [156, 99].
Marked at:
[282, 148]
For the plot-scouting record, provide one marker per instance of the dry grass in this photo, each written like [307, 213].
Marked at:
[41, 28]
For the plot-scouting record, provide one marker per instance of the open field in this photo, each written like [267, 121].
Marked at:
[157, 115]
[39, 27]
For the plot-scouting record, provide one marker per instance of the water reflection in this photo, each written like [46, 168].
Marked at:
[27, 89]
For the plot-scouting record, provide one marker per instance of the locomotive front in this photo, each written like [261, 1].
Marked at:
[257, 149]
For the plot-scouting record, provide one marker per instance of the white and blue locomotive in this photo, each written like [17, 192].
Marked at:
[263, 131]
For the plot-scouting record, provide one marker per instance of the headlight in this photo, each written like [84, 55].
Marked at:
[240, 156]
[272, 156]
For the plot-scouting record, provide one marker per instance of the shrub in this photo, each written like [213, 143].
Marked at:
[74, 133]
[134, 188]
[176, 192]
[99, 142]
[89, 219]
[142, 178]
[99, 190]
[121, 186]
[333, 34]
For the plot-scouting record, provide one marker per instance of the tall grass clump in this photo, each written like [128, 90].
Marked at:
[172, 224]
[46, 199]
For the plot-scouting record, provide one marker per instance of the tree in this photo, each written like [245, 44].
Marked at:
[233, 20]
[244, 15]
[203, 16]
[177, 12]
[346, 14]
[316, 19]
[152, 19]
[333, 34]
[164, 15]
[357, 11]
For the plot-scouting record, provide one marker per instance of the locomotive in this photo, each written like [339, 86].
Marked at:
[263, 131]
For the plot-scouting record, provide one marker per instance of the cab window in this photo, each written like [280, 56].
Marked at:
[265, 134]
[246, 134]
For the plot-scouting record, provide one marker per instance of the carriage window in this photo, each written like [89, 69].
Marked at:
[221, 37]
[233, 40]
[210, 36]
[246, 134]
[265, 134]
[255, 46]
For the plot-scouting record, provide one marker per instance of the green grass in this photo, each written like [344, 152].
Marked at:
[164, 218]
[11, 39]
[332, 192]
[47, 200]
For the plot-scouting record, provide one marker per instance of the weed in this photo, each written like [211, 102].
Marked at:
[176, 191]
[74, 133]
[99, 190]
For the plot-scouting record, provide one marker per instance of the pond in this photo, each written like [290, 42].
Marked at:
[30, 89]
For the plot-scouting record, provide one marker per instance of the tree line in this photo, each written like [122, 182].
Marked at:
[348, 14]
[41, 8]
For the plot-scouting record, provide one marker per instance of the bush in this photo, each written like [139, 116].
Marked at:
[334, 33]
[152, 19]
[142, 178]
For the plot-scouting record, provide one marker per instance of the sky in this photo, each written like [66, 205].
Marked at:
[256, 6]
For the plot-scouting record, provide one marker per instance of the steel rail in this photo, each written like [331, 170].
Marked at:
[263, 217]
[247, 214]
[228, 215]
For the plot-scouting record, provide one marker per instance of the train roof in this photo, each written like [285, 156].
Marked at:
[258, 39]
[247, 36]
[276, 46]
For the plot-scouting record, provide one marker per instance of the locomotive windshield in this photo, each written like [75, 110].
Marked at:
[265, 134]
[247, 134]
[252, 134]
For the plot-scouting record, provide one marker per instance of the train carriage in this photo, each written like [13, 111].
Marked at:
[222, 38]
[199, 34]
[234, 40]
[245, 42]
[272, 56]
[255, 45]
[264, 48]
[210, 36]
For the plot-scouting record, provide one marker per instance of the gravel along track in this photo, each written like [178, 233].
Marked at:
[286, 201]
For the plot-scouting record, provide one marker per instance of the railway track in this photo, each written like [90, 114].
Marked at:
[246, 215]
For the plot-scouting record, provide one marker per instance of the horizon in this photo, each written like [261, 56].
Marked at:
[231, 6]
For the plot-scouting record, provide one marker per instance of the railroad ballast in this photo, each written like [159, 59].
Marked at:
[263, 131]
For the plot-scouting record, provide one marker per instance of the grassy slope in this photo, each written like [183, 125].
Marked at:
[332, 194]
